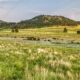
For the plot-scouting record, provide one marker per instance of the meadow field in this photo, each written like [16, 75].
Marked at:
[45, 32]
[39, 60]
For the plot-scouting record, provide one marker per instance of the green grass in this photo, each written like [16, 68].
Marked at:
[26, 61]
[46, 32]
[30, 60]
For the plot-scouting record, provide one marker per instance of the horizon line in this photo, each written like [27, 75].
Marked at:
[36, 16]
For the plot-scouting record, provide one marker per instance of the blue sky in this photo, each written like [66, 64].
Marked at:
[16, 10]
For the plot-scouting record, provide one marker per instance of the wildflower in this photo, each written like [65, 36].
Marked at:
[41, 50]
[29, 50]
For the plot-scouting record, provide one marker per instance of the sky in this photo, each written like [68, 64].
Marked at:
[17, 10]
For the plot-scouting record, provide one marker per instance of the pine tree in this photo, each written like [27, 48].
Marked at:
[65, 30]
[78, 32]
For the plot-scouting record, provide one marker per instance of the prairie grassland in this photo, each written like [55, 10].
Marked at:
[46, 32]
[26, 61]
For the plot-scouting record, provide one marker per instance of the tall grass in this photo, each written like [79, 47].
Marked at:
[24, 61]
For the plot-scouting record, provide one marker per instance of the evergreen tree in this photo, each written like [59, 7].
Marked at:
[12, 30]
[15, 28]
[65, 30]
[78, 32]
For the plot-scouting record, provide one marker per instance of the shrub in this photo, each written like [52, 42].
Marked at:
[12, 30]
[16, 30]
[65, 30]
[78, 32]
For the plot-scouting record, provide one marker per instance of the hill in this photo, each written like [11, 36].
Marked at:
[4, 24]
[47, 20]
[41, 21]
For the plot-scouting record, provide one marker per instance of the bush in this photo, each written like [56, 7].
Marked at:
[65, 30]
[78, 32]
[16, 30]
[13, 30]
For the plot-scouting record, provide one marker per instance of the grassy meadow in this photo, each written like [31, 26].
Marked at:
[23, 60]
[46, 32]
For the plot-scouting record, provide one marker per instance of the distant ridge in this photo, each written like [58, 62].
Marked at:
[48, 20]
[4, 24]
[41, 21]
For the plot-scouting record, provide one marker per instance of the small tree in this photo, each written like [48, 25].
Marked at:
[78, 32]
[12, 30]
[16, 30]
[65, 30]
